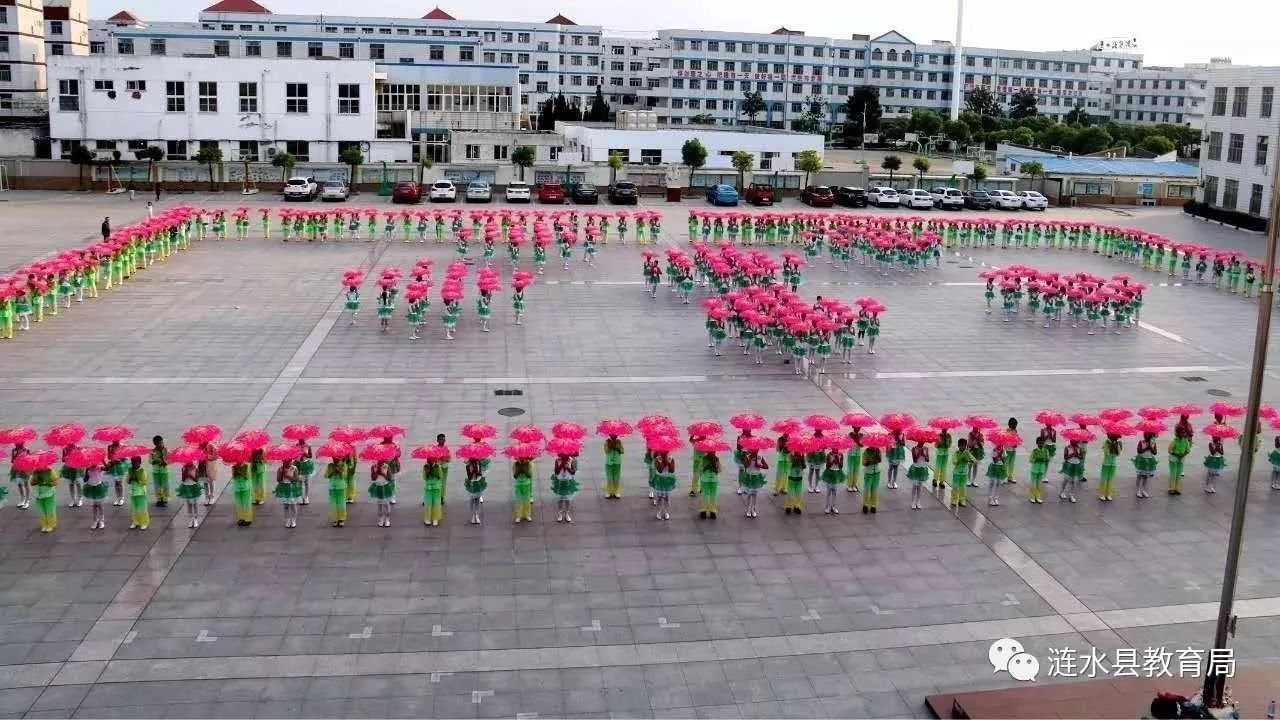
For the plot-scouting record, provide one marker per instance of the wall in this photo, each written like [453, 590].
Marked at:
[18, 141]
[1246, 172]
[594, 144]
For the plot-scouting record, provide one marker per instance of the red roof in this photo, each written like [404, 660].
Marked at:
[124, 16]
[560, 20]
[237, 6]
[438, 14]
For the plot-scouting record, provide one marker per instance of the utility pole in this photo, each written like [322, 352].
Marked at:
[1215, 680]
[957, 87]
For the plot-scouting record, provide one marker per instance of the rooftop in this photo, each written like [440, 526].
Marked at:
[1059, 165]
[237, 6]
[438, 14]
[688, 128]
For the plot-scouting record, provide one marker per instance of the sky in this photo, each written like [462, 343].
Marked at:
[1169, 32]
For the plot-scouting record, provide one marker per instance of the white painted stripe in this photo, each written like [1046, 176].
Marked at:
[961, 284]
[1045, 372]
[1162, 332]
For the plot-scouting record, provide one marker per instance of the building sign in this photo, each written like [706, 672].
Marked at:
[1147, 190]
[542, 177]
[731, 75]
[462, 176]
[1010, 89]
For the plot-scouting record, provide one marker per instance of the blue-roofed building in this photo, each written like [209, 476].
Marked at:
[1087, 180]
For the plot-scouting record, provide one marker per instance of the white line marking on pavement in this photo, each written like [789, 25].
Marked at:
[811, 615]
[437, 631]
[437, 676]
[130, 637]
[961, 284]
[878, 611]
[527, 716]
[1046, 372]
[363, 635]
[1009, 600]
[1162, 332]
[204, 636]
[662, 623]
[593, 627]
[478, 695]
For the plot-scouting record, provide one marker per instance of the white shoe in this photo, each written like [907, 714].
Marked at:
[79, 502]
[568, 518]
[835, 511]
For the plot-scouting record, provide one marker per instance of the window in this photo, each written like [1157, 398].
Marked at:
[248, 97]
[348, 99]
[505, 58]
[124, 46]
[522, 37]
[1268, 94]
[221, 48]
[1235, 148]
[176, 149]
[501, 152]
[253, 48]
[1230, 193]
[55, 27]
[295, 97]
[651, 156]
[284, 49]
[300, 149]
[98, 85]
[68, 93]
[466, 54]
[1211, 190]
[1103, 188]
[623, 153]
[377, 51]
[248, 150]
[135, 85]
[473, 152]
[1215, 144]
[207, 96]
[522, 58]
[315, 49]
[1239, 102]
[175, 93]
[1219, 101]
[1185, 192]
[96, 47]
[1255, 200]
[346, 50]
[541, 86]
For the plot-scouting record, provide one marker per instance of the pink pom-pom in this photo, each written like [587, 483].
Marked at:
[981, 422]
[14, 436]
[380, 452]
[201, 434]
[822, 422]
[922, 434]
[348, 434]
[235, 453]
[1078, 434]
[897, 422]
[253, 439]
[705, 428]
[786, 426]
[112, 433]
[568, 431]
[1186, 410]
[1153, 413]
[1221, 431]
[1226, 409]
[300, 432]
[185, 454]
[748, 421]
[616, 428]
[527, 434]
[945, 423]
[478, 431]
[475, 451]
[431, 453]
[281, 453]
[1115, 414]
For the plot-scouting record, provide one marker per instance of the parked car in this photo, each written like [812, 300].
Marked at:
[722, 195]
[818, 196]
[977, 200]
[759, 194]
[916, 199]
[301, 188]
[586, 194]
[1032, 200]
[881, 196]
[443, 190]
[478, 191]
[406, 192]
[624, 193]
[334, 190]
[551, 192]
[947, 198]
[849, 196]
[1005, 199]
[518, 192]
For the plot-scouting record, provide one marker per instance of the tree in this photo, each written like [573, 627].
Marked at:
[425, 163]
[599, 111]
[1078, 115]
[1034, 170]
[743, 162]
[892, 163]
[815, 111]
[893, 129]
[694, 154]
[978, 175]
[152, 155]
[921, 164]
[523, 157]
[286, 162]
[547, 115]
[353, 158]
[615, 164]
[1023, 136]
[83, 157]
[210, 155]
[1157, 144]
[981, 102]
[1023, 104]
[752, 105]
[1091, 140]
[957, 132]
[862, 114]
[926, 123]
[808, 162]
[702, 119]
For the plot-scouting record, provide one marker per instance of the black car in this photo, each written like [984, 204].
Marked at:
[585, 194]
[623, 193]
[851, 197]
[977, 200]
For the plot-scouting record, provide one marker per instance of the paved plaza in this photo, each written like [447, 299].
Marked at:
[617, 615]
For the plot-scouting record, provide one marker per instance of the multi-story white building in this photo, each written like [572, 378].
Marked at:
[1155, 95]
[1241, 125]
[30, 32]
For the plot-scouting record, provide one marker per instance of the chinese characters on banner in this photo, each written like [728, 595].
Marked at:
[1153, 662]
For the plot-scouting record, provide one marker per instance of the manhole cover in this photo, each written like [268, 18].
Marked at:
[1193, 378]
[511, 412]
[508, 391]
[1218, 393]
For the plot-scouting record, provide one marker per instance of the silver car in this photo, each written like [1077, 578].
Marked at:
[335, 190]
[479, 192]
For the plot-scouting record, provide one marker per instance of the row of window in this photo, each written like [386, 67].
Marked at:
[207, 96]
[1140, 116]
[1240, 101]
[250, 150]
[1235, 148]
[1230, 194]
[523, 38]
[1155, 84]
[1169, 100]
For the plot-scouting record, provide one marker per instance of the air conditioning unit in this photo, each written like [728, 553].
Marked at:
[271, 152]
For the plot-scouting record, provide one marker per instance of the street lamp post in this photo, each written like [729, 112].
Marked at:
[1216, 677]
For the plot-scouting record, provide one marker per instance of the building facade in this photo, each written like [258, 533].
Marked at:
[30, 32]
[1163, 95]
[1241, 125]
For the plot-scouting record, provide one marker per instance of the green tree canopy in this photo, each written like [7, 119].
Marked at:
[523, 157]
[808, 162]
[1023, 104]
[752, 105]
[925, 123]
[743, 162]
[893, 164]
[981, 102]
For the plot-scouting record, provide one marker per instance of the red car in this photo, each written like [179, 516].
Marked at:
[551, 193]
[406, 192]
[818, 196]
[759, 194]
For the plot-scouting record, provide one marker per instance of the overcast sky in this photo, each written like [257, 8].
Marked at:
[1168, 31]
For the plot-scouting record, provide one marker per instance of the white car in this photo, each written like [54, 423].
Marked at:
[947, 198]
[1004, 199]
[334, 190]
[479, 192]
[443, 190]
[1032, 200]
[518, 192]
[881, 196]
[301, 188]
[916, 199]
